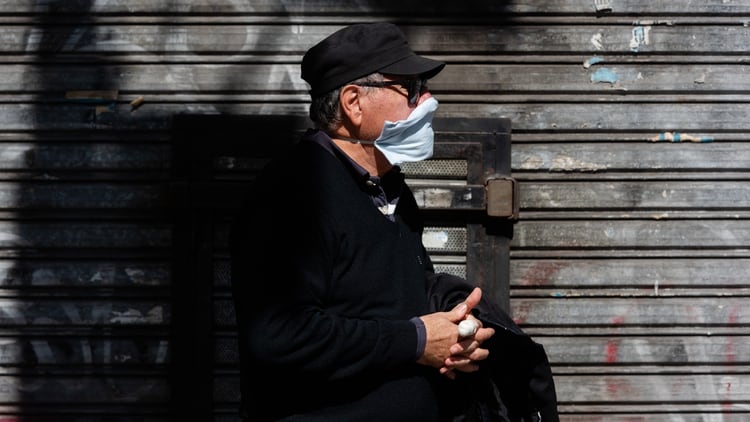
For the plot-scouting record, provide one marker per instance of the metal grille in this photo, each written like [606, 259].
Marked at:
[457, 270]
[222, 273]
[443, 169]
[445, 239]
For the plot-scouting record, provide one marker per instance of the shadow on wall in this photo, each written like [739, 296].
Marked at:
[87, 250]
[106, 311]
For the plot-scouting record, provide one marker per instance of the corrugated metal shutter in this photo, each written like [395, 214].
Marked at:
[628, 261]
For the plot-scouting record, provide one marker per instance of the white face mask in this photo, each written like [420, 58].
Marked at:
[409, 140]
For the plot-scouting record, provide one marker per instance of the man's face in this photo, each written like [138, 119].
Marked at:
[389, 103]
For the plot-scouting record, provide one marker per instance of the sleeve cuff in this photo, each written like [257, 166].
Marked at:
[421, 336]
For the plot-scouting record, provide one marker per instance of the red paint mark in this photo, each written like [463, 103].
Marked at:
[611, 387]
[618, 320]
[540, 274]
[733, 316]
[617, 389]
[521, 313]
[732, 319]
[727, 407]
[731, 353]
[726, 404]
[610, 351]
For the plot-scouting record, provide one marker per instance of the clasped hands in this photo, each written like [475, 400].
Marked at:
[445, 349]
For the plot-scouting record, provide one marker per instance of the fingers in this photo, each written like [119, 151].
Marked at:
[463, 355]
[472, 367]
[466, 362]
[460, 365]
[448, 373]
[468, 351]
[484, 334]
[466, 354]
[464, 308]
[468, 343]
[473, 299]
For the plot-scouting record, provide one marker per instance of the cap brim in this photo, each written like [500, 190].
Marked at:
[414, 65]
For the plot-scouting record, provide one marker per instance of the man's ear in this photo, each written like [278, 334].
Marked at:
[349, 101]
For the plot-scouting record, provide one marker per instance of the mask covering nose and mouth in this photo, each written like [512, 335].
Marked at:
[409, 140]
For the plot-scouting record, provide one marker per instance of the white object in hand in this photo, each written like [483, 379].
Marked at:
[467, 328]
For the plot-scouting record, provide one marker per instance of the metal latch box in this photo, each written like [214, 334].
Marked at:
[502, 197]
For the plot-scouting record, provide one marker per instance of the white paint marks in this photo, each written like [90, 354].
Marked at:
[603, 6]
[532, 163]
[434, 197]
[596, 40]
[568, 163]
[435, 239]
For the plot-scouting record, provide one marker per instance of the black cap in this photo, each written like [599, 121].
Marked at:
[359, 50]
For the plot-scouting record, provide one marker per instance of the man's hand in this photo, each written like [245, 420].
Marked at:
[467, 351]
[445, 349]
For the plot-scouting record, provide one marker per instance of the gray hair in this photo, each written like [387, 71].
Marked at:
[324, 109]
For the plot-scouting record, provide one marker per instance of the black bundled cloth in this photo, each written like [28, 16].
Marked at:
[514, 383]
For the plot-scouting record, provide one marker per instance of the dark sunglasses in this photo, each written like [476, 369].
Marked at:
[414, 87]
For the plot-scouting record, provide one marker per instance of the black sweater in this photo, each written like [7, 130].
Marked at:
[324, 287]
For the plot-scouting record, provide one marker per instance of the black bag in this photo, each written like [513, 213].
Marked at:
[514, 384]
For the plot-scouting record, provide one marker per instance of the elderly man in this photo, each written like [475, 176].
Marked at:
[340, 314]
